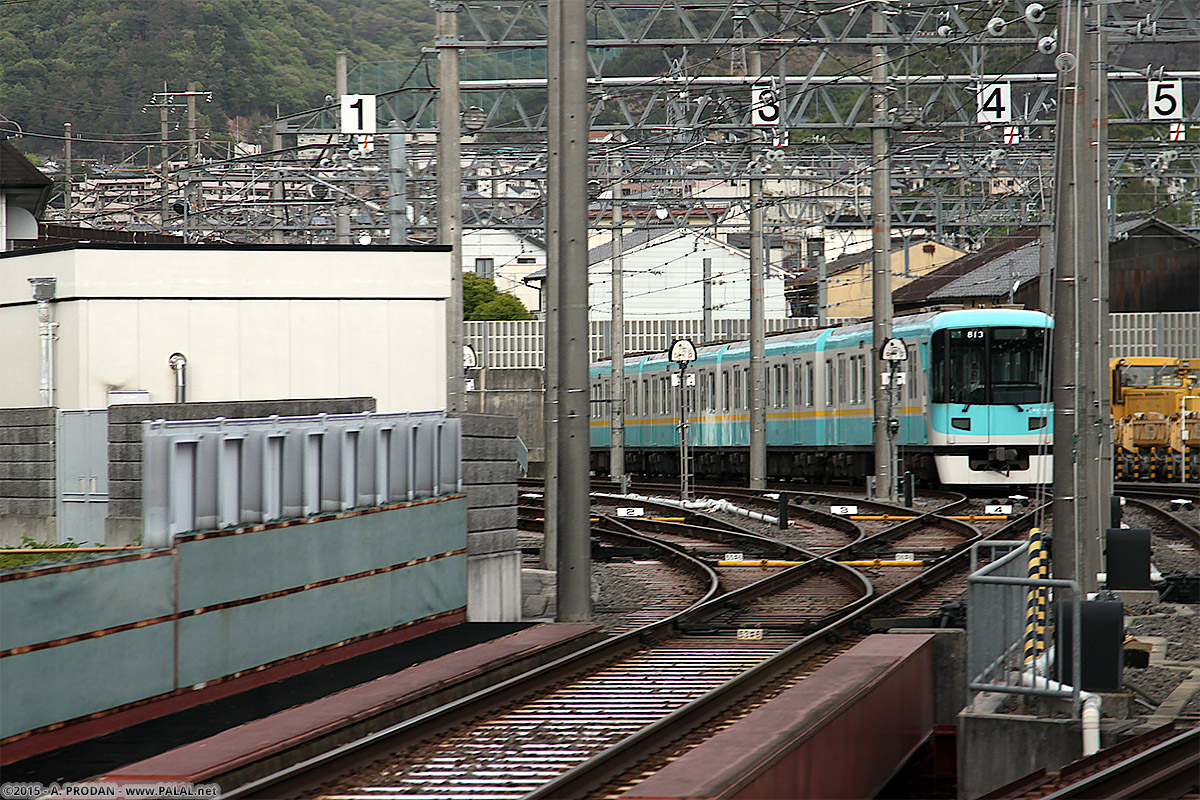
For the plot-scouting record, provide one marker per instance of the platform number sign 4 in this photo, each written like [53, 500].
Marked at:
[764, 104]
[995, 103]
[358, 113]
[1164, 99]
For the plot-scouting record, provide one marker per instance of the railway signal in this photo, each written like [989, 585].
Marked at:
[683, 352]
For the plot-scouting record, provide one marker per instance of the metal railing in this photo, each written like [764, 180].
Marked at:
[1002, 601]
[220, 473]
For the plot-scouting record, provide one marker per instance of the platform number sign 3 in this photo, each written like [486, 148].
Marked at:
[1164, 99]
[995, 103]
[764, 103]
[358, 113]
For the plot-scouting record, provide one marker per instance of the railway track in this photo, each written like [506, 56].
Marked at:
[589, 720]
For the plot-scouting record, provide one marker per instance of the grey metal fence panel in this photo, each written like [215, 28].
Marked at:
[81, 475]
[109, 671]
[206, 474]
[1169, 334]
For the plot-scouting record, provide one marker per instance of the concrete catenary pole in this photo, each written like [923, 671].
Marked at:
[449, 197]
[706, 300]
[1080, 238]
[397, 184]
[67, 178]
[163, 130]
[881, 270]
[617, 333]
[574, 544]
[549, 555]
[757, 376]
[341, 214]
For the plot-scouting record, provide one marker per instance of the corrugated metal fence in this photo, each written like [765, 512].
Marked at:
[207, 474]
[1171, 334]
[519, 344]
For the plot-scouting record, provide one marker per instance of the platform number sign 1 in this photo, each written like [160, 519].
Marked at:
[358, 113]
[1164, 99]
[995, 103]
[764, 105]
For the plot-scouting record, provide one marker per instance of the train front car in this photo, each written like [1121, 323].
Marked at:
[990, 415]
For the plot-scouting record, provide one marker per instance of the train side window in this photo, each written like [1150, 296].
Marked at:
[829, 381]
[862, 379]
[712, 391]
[725, 390]
[798, 382]
[842, 378]
[784, 387]
[853, 368]
[737, 388]
[647, 400]
[809, 380]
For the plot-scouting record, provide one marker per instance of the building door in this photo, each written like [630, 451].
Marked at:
[82, 476]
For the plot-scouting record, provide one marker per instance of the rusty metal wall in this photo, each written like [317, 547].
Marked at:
[79, 639]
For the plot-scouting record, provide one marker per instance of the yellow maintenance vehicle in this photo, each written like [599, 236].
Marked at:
[1156, 410]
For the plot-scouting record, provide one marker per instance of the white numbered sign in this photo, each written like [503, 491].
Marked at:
[997, 510]
[905, 557]
[734, 557]
[358, 113]
[995, 103]
[631, 511]
[750, 633]
[764, 105]
[1164, 99]
[843, 510]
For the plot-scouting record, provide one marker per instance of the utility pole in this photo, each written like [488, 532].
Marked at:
[549, 555]
[449, 195]
[276, 184]
[193, 144]
[1081, 242]
[617, 334]
[68, 178]
[881, 241]
[574, 501]
[166, 101]
[758, 338]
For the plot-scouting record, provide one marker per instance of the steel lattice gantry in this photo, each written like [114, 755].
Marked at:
[682, 135]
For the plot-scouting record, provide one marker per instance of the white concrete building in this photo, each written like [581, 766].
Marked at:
[253, 322]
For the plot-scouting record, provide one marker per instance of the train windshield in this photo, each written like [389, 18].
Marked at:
[990, 366]
[1151, 375]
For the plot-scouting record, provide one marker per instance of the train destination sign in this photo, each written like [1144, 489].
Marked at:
[682, 351]
[893, 350]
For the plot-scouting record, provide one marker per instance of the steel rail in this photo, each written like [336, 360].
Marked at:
[624, 755]
[1168, 769]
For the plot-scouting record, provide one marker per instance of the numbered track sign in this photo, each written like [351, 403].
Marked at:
[995, 103]
[358, 113]
[631, 511]
[764, 105]
[843, 510]
[750, 633]
[734, 557]
[990, 510]
[1164, 99]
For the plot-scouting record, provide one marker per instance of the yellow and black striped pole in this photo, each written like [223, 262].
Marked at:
[1035, 608]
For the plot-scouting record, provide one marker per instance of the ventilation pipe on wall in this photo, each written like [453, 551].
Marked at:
[178, 362]
[43, 293]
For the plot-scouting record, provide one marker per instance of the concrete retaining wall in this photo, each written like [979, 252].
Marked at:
[27, 489]
[490, 473]
[515, 393]
[91, 637]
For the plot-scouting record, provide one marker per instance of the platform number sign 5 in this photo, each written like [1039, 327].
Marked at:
[995, 103]
[1164, 99]
[358, 113]
[764, 105]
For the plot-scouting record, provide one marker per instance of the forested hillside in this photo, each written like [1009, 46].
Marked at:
[95, 63]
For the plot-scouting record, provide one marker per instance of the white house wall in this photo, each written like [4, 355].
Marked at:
[664, 279]
[253, 324]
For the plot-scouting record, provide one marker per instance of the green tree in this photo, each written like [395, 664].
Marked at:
[482, 300]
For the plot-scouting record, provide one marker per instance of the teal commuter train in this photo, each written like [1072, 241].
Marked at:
[973, 403]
